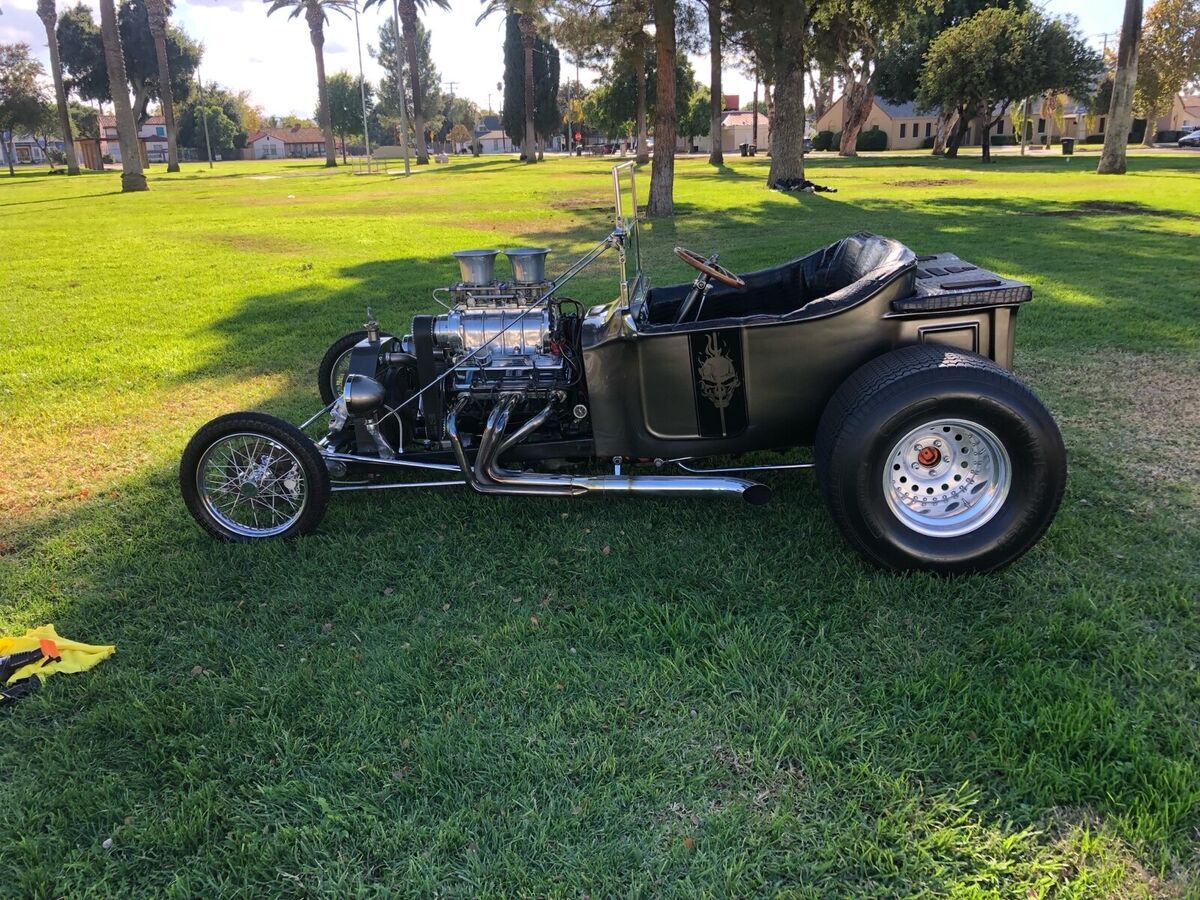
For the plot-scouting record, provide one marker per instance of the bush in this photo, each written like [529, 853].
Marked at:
[1138, 131]
[1167, 137]
[927, 144]
[875, 139]
[823, 140]
[1003, 140]
[1093, 139]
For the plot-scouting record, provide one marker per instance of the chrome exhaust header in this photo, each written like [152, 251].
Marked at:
[489, 477]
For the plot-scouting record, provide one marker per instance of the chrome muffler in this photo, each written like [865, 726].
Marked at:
[488, 477]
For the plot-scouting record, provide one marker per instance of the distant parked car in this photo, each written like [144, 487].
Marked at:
[808, 145]
[1191, 139]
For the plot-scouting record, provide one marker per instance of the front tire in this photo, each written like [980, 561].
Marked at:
[937, 459]
[248, 476]
[335, 364]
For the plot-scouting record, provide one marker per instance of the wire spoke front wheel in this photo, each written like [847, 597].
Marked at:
[252, 485]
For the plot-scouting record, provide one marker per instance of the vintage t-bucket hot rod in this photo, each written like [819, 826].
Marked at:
[893, 366]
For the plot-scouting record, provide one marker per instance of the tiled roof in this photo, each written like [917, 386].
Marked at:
[300, 134]
[743, 117]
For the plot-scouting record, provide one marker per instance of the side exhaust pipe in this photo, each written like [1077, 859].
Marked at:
[488, 477]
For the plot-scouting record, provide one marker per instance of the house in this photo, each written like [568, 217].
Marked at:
[909, 128]
[737, 128]
[1184, 114]
[495, 141]
[27, 150]
[906, 127]
[296, 142]
[152, 134]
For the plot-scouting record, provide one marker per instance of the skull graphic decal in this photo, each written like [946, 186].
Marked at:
[716, 360]
[718, 378]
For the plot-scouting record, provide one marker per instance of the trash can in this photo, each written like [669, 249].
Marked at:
[753, 149]
[1068, 145]
[745, 148]
[578, 150]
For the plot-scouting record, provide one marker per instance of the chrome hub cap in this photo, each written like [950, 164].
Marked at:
[252, 485]
[947, 478]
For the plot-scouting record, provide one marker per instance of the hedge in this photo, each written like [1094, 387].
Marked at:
[1167, 137]
[875, 139]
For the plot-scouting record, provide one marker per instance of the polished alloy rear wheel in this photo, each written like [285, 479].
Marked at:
[947, 477]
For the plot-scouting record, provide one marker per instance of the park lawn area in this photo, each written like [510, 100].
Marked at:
[447, 694]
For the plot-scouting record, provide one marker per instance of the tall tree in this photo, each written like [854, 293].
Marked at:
[716, 155]
[661, 203]
[902, 52]
[393, 54]
[132, 177]
[1168, 60]
[528, 14]
[778, 32]
[82, 51]
[346, 94]
[998, 57]
[49, 16]
[612, 34]
[546, 115]
[156, 15]
[1120, 112]
[316, 15]
[21, 97]
[409, 22]
[227, 130]
[612, 107]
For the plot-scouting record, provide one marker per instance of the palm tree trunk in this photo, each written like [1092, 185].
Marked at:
[408, 19]
[132, 177]
[47, 13]
[716, 155]
[1120, 111]
[662, 174]
[639, 77]
[398, 63]
[529, 142]
[157, 10]
[316, 32]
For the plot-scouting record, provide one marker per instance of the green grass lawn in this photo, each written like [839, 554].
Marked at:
[445, 693]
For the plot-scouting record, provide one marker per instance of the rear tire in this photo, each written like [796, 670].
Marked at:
[249, 476]
[977, 500]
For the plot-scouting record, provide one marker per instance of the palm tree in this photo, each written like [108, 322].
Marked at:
[527, 13]
[132, 177]
[156, 11]
[316, 14]
[715, 156]
[407, 13]
[49, 16]
[1120, 111]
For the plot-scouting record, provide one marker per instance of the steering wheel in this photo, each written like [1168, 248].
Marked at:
[709, 267]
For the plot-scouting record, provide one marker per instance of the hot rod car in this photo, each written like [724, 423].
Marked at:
[894, 367]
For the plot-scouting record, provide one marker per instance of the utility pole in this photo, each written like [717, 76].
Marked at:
[362, 89]
[400, 85]
[204, 116]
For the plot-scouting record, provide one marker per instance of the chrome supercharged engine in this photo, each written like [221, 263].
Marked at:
[498, 335]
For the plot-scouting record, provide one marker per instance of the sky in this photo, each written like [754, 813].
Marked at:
[273, 59]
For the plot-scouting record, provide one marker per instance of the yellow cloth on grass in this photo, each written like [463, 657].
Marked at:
[75, 657]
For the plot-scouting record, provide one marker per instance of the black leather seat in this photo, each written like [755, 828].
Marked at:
[835, 277]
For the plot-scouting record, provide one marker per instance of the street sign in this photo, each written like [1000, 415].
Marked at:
[7, 135]
[578, 136]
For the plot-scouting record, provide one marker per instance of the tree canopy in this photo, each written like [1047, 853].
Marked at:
[612, 106]
[1000, 56]
[82, 54]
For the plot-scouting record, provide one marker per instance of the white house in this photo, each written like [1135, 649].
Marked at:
[27, 150]
[296, 142]
[152, 134]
